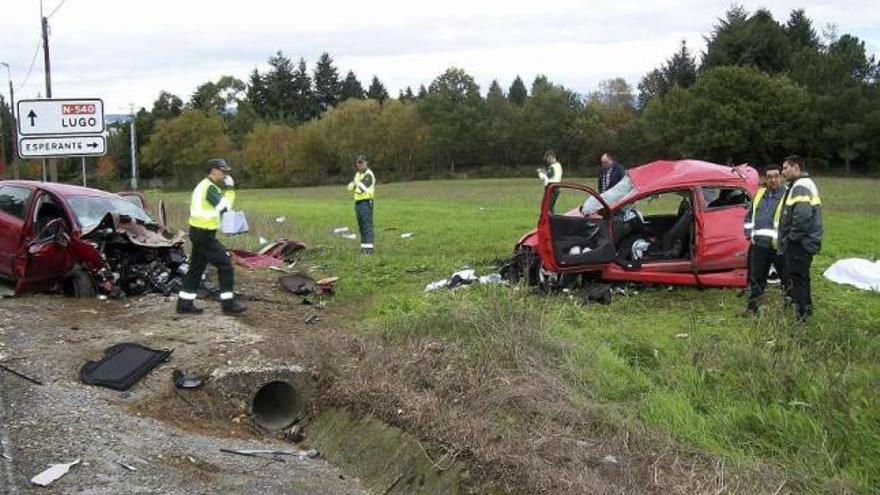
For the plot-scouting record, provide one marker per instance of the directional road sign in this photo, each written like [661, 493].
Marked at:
[61, 146]
[60, 116]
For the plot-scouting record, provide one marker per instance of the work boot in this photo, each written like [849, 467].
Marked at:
[186, 307]
[232, 307]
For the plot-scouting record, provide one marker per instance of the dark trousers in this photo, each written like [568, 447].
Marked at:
[796, 278]
[207, 249]
[364, 211]
[760, 260]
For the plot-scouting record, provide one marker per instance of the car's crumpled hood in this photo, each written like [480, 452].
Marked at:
[139, 233]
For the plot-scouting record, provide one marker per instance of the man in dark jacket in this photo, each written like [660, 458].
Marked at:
[761, 226]
[611, 172]
[800, 234]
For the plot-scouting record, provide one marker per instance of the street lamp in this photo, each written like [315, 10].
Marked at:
[12, 113]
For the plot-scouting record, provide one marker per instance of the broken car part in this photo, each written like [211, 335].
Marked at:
[54, 472]
[186, 380]
[122, 366]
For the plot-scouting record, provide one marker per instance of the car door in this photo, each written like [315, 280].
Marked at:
[15, 202]
[46, 247]
[568, 240]
[720, 242]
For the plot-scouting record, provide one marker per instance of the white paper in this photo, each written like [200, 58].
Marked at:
[54, 472]
[233, 222]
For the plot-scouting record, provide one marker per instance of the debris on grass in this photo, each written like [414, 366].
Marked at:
[349, 236]
[54, 472]
[280, 219]
[340, 230]
[407, 235]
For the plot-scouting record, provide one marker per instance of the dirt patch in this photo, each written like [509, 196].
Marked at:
[506, 414]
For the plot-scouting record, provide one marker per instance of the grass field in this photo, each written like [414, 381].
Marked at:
[758, 392]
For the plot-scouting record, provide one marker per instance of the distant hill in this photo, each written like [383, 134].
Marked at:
[116, 118]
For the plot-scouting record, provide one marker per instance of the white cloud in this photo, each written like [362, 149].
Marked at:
[129, 51]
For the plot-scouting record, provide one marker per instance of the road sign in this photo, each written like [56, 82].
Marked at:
[60, 117]
[61, 146]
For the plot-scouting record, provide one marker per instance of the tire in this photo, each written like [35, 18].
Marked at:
[80, 285]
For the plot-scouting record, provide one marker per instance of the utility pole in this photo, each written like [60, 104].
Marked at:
[53, 163]
[14, 123]
[134, 166]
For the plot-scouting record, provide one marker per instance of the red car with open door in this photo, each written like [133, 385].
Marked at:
[666, 222]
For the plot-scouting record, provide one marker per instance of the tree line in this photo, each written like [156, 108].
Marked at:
[762, 89]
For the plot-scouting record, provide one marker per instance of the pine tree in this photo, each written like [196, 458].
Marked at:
[377, 91]
[328, 87]
[407, 96]
[517, 93]
[304, 107]
[800, 32]
[681, 69]
[423, 92]
[281, 90]
[495, 91]
[351, 88]
[256, 93]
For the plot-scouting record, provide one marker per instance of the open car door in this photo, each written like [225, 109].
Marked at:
[575, 232]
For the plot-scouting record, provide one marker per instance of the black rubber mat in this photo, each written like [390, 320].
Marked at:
[122, 366]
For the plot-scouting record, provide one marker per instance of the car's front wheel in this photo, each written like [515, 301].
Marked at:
[79, 284]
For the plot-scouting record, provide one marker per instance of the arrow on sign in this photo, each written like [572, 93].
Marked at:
[92, 145]
[32, 115]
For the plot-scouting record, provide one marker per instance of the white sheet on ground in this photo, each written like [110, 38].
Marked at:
[860, 273]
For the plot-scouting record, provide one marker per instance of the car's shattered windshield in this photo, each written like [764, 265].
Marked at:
[611, 196]
[90, 210]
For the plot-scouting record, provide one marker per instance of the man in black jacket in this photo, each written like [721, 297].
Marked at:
[611, 172]
[800, 234]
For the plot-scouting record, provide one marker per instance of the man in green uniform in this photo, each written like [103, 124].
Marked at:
[208, 202]
[364, 188]
[551, 173]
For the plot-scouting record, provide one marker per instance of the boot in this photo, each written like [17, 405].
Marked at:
[233, 307]
[186, 307]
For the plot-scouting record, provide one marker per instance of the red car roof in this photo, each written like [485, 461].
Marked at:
[62, 190]
[683, 173]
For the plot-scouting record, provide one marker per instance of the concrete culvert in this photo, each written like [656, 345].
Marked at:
[276, 405]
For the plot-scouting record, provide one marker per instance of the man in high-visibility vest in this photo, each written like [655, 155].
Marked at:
[208, 202]
[551, 173]
[800, 234]
[762, 229]
[364, 188]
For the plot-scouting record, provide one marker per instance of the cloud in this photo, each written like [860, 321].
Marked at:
[129, 51]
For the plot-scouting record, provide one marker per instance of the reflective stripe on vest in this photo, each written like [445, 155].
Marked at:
[808, 184]
[771, 233]
[362, 192]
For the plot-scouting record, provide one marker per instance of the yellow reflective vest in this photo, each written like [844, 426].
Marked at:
[363, 185]
[773, 233]
[207, 203]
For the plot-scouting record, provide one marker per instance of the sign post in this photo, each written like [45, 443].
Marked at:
[59, 128]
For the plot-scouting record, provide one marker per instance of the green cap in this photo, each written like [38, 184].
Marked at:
[362, 157]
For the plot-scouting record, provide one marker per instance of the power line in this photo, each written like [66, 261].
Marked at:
[33, 61]
[56, 9]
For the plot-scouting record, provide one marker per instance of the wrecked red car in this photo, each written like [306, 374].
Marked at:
[666, 222]
[84, 241]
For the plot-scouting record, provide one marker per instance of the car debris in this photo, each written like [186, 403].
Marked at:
[52, 474]
[407, 235]
[272, 255]
[304, 285]
[349, 236]
[186, 380]
[127, 466]
[464, 277]
[20, 375]
[341, 230]
[122, 366]
[312, 319]
[280, 219]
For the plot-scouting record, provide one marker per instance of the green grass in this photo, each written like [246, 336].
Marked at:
[762, 390]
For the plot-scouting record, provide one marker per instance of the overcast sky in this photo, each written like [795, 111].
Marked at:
[127, 51]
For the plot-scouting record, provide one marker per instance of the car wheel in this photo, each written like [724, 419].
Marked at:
[80, 285]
